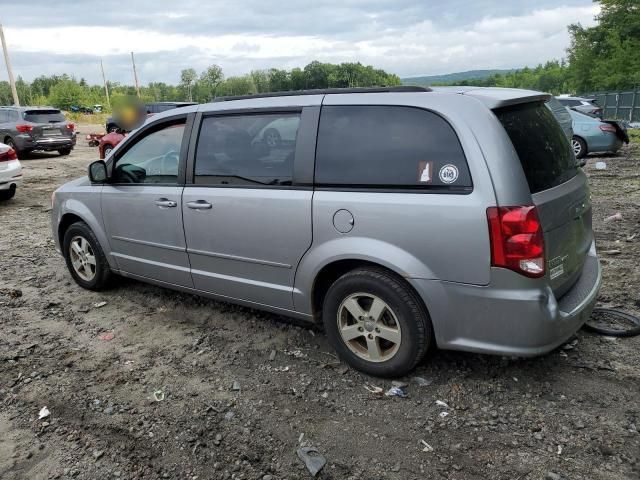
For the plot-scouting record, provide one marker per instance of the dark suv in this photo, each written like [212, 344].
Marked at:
[26, 129]
[151, 109]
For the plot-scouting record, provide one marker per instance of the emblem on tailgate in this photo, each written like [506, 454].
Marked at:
[556, 266]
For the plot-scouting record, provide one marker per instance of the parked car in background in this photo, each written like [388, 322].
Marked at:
[10, 172]
[108, 142]
[401, 217]
[582, 105]
[591, 135]
[151, 109]
[26, 129]
[562, 116]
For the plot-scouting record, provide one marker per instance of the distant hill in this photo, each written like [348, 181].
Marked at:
[453, 77]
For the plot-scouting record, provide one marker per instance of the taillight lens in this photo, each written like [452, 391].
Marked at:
[24, 128]
[517, 242]
[71, 126]
[607, 127]
[9, 154]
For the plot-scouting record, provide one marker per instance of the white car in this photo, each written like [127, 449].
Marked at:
[10, 172]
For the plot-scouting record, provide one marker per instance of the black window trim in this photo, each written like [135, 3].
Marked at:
[417, 189]
[148, 129]
[304, 156]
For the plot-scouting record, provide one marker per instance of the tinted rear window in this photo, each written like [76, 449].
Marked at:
[44, 116]
[544, 150]
[388, 146]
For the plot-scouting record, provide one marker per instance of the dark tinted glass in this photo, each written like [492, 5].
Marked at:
[380, 146]
[544, 150]
[44, 116]
[247, 149]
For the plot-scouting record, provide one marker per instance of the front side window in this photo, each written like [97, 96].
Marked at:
[388, 146]
[253, 149]
[153, 158]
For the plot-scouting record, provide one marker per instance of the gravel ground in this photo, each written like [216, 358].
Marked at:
[240, 391]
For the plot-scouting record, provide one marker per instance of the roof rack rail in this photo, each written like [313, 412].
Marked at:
[326, 91]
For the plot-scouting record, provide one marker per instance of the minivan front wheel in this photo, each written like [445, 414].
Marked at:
[84, 257]
[376, 323]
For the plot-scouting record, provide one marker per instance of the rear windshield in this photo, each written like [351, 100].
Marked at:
[544, 150]
[44, 116]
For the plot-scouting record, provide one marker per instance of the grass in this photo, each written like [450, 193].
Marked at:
[95, 118]
[634, 135]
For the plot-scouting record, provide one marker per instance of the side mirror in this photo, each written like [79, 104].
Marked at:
[98, 172]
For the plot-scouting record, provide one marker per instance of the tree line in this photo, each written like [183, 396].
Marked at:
[604, 57]
[64, 91]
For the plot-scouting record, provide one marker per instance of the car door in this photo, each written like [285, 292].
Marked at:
[247, 209]
[141, 206]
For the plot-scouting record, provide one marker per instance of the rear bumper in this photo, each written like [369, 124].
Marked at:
[26, 142]
[513, 315]
[11, 177]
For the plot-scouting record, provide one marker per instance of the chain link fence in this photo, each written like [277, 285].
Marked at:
[619, 105]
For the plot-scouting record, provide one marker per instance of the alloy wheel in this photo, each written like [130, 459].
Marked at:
[369, 327]
[82, 258]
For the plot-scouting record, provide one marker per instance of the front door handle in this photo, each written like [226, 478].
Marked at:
[166, 203]
[199, 205]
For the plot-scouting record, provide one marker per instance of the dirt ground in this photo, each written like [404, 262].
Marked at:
[96, 359]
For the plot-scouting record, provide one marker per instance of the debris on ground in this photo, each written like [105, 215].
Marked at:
[106, 337]
[422, 382]
[235, 386]
[614, 217]
[440, 403]
[44, 413]
[426, 447]
[158, 395]
[396, 392]
[374, 389]
[312, 459]
[99, 304]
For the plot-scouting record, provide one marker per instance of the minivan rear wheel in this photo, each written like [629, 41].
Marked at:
[376, 322]
[85, 259]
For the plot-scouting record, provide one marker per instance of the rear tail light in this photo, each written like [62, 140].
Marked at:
[607, 127]
[7, 155]
[24, 128]
[517, 242]
[71, 126]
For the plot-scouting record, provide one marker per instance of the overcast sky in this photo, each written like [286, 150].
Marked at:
[407, 37]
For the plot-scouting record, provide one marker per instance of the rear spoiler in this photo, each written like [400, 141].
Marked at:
[495, 98]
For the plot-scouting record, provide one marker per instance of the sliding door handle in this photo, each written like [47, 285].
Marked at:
[199, 205]
[165, 203]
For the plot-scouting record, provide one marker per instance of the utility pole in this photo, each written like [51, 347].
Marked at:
[12, 82]
[135, 75]
[106, 88]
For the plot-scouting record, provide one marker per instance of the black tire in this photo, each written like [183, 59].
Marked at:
[410, 313]
[103, 274]
[632, 323]
[8, 194]
[64, 151]
[10, 143]
[579, 147]
[107, 150]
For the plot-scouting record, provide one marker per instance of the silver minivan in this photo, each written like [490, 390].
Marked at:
[400, 218]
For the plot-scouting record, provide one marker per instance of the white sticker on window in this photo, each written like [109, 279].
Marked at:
[448, 174]
[424, 171]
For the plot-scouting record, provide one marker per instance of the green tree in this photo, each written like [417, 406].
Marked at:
[188, 78]
[67, 93]
[210, 79]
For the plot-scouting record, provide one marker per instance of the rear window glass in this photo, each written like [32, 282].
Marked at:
[388, 146]
[44, 116]
[543, 148]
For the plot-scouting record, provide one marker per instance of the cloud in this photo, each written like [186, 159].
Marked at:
[402, 36]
